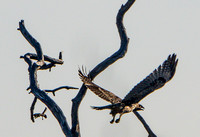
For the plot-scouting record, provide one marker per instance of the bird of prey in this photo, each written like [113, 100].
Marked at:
[152, 82]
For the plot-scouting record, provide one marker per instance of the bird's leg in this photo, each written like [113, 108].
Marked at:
[117, 120]
[111, 122]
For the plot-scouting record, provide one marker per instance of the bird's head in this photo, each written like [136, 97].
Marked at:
[139, 107]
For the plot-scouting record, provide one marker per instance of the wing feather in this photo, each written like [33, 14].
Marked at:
[155, 80]
[102, 93]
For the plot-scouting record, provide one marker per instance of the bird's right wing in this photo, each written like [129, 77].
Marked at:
[155, 80]
[102, 93]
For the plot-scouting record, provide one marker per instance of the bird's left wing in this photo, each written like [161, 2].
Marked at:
[155, 80]
[102, 93]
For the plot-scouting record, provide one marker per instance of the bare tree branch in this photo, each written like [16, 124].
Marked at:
[59, 88]
[146, 126]
[36, 115]
[32, 109]
[46, 58]
[102, 66]
[38, 93]
[31, 40]
[43, 115]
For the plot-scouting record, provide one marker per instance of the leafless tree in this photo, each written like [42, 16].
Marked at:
[44, 62]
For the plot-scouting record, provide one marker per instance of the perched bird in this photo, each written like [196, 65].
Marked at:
[154, 81]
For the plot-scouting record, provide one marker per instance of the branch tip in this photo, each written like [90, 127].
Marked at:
[60, 55]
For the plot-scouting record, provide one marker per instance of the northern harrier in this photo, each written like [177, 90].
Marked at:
[154, 81]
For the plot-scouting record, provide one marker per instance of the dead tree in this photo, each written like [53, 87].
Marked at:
[44, 62]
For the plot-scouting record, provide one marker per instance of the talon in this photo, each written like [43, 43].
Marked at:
[117, 120]
[111, 122]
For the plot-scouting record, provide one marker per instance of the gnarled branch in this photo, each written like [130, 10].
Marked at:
[59, 88]
[102, 66]
[32, 109]
[31, 40]
[38, 93]
[46, 58]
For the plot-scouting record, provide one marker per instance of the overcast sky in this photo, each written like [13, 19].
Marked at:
[86, 33]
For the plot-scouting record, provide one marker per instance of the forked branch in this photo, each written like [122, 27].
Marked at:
[59, 88]
[46, 58]
[38, 93]
[102, 66]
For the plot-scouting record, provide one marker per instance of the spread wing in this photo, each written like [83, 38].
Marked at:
[155, 80]
[102, 93]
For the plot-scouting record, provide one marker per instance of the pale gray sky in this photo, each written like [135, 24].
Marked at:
[86, 32]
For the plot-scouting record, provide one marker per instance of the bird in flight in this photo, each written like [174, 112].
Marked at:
[152, 82]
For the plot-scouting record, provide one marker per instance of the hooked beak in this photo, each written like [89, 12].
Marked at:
[140, 108]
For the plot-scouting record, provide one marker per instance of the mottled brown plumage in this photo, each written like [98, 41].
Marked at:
[154, 81]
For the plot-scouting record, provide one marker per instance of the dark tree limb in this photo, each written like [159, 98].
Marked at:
[31, 40]
[36, 115]
[59, 88]
[32, 109]
[146, 126]
[102, 66]
[43, 115]
[46, 58]
[38, 93]
[53, 61]
[42, 96]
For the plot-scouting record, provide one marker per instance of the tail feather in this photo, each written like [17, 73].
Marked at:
[101, 107]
